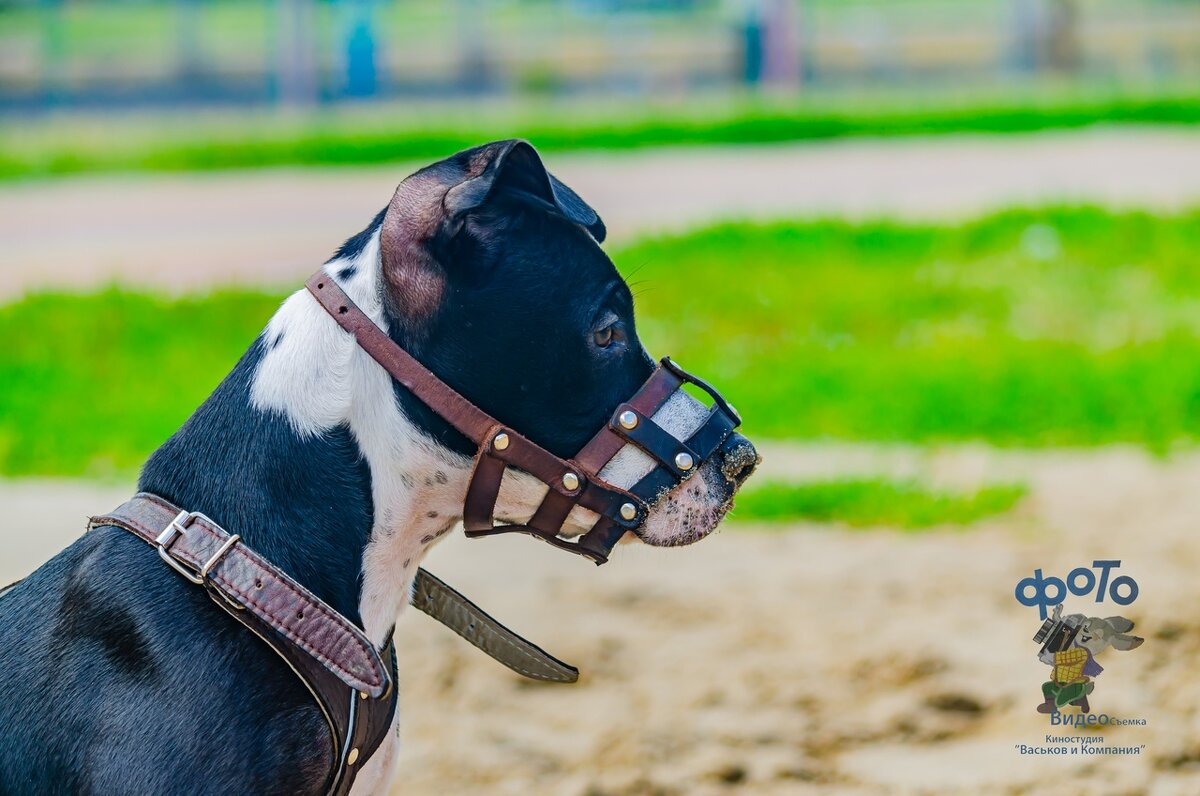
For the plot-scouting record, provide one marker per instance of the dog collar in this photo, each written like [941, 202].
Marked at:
[571, 482]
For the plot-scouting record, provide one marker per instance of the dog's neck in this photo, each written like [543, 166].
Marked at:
[304, 450]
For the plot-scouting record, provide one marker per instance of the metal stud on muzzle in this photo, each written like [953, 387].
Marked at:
[573, 482]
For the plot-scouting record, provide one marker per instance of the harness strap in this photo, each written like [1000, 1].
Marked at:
[143, 513]
[351, 681]
[470, 421]
[204, 553]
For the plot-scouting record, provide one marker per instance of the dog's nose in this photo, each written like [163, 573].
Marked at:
[739, 458]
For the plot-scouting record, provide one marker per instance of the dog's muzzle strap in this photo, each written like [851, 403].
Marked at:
[570, 483]
[468, 620]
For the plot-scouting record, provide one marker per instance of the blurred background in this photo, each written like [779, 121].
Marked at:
[941, 254]
[154, 53]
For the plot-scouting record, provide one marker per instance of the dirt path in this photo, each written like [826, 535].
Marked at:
[800, 660]
[277, 225]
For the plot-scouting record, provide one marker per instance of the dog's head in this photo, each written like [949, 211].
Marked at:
[493, 276]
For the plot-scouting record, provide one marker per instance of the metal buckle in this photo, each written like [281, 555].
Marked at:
[178, 527]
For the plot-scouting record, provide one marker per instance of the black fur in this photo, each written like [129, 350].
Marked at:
[527, 288]
[305, 504]
[137, 665]
[119, 677]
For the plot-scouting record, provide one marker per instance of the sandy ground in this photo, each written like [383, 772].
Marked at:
[277, 225]
[798, 660]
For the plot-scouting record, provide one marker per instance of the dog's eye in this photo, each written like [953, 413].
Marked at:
[603, 337]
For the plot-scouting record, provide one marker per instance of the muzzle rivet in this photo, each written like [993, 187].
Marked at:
[500, 442]
[628, 419]
[628, 511]
[352, 758]
[571, 481]
[684, 461]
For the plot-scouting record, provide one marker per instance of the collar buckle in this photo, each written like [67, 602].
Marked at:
[179, 527]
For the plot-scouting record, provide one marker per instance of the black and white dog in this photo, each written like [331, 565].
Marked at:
[117, 677]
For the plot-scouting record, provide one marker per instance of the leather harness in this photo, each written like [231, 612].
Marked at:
[352, 681]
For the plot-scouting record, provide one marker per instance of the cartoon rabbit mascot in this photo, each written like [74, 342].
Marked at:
[1072, 644]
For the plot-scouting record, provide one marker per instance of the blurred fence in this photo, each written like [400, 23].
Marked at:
[56, 53]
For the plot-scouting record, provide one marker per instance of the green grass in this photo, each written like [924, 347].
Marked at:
[873, 502]
[95, 382]
[1030, 328]
[1059, 327]
[337, 138]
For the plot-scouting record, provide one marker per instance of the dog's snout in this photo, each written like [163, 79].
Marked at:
[739, 458]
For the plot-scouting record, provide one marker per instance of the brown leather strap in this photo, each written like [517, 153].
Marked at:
[469, 419]
[569, 482]
[205, 553]
[351, 682]
[482, 492]
[653, 394]
[429, 594]
[468, 620]
[475, 424]
[552, 512]
[358, 724]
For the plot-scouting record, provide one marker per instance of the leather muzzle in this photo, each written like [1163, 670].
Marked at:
[570, 482]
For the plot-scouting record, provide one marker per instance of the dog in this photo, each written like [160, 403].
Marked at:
[118, 677]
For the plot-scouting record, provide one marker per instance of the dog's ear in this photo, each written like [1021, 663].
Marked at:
[516, 172]
[432, 204]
